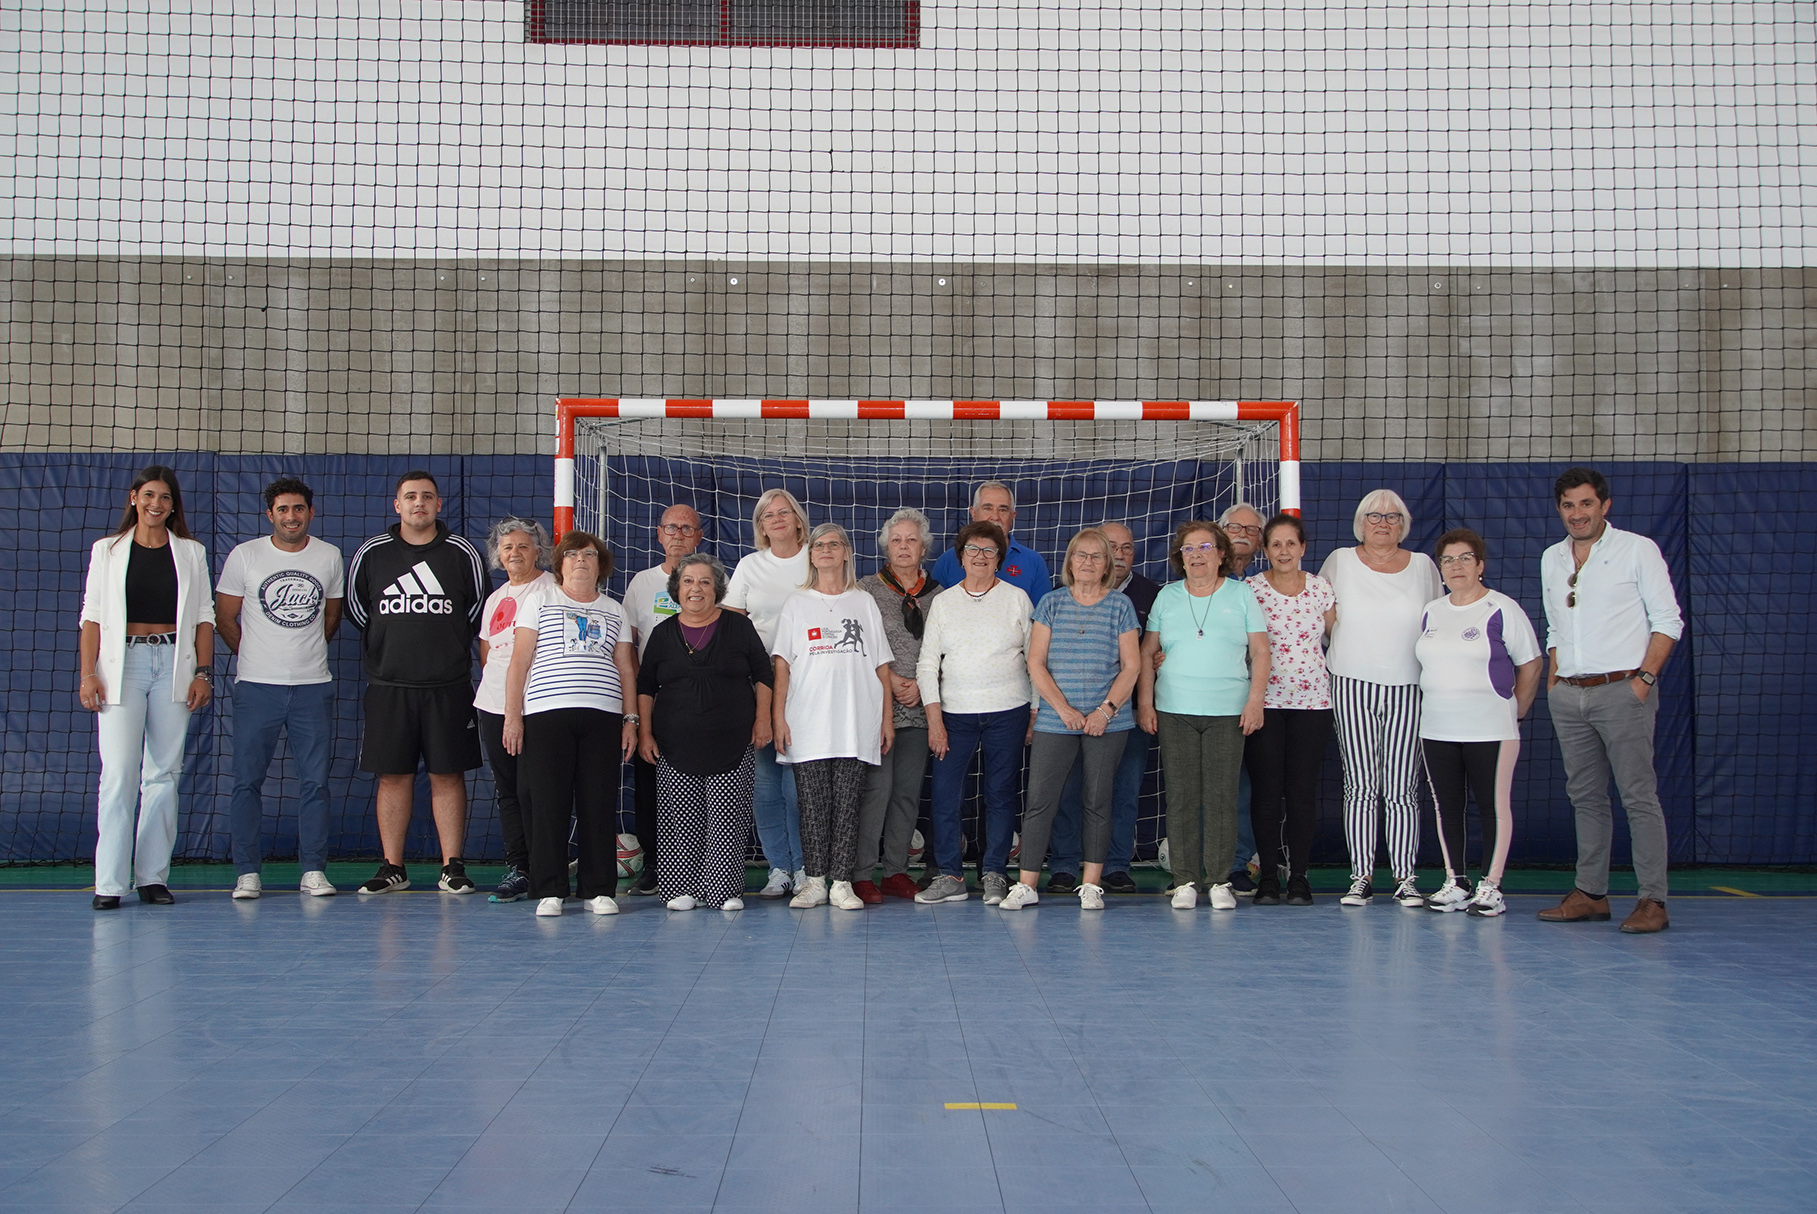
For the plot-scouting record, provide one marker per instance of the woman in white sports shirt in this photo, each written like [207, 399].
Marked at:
[1479, 669]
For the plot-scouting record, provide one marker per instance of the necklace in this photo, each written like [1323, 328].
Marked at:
[976, 597]
[1197, 619]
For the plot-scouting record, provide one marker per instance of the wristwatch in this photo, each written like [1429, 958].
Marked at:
[1646, 676]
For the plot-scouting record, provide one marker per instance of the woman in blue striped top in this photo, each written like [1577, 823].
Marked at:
[571, 667]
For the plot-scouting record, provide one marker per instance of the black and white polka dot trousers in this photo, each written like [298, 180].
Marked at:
[830, 792]
[703, 826]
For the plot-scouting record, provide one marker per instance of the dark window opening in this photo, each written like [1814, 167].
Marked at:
[853, 23]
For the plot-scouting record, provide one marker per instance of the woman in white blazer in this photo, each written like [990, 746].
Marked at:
[148, 627]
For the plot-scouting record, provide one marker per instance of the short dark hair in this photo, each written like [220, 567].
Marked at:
[1179, 541]
[1462, 535]
[416, 474]
[1573, 477]
[981, 531]
[288, 484]
[574, 541]
[698, 558]
[1283, 520]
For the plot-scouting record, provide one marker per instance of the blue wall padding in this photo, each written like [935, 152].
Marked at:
[1735, 771]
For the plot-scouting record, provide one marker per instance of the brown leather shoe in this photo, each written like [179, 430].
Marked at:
[1578, 907]
[1648, 916]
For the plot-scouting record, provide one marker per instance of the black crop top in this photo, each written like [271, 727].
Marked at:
[151, 585]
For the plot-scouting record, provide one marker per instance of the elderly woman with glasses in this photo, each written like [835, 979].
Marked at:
[892, 796]
[520, 548]
[1382, 590]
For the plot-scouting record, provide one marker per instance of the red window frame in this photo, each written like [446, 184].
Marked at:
[535, 24]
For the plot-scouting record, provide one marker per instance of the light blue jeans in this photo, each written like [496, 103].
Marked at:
[778, 815]
[260, 712]
[141, 760]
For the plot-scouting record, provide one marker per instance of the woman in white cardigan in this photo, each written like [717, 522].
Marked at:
[147, 663]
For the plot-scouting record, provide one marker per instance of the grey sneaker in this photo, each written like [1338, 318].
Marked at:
[996, 888]
[944, 888]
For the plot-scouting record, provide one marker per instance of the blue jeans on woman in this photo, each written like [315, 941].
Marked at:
[778, 816]
[1000, 735]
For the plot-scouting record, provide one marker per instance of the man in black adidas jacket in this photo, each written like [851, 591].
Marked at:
[415, 594]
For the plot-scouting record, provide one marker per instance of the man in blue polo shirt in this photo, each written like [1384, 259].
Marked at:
[995, 502]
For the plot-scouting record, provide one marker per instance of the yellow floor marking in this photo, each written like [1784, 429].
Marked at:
[1729, 889]
[976, 1105]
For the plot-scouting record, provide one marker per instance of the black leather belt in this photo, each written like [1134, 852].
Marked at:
[154, 638]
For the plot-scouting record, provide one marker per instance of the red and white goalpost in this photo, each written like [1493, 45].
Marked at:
[1252, 436]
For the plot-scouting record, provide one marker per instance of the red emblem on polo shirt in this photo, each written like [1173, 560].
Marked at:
[813, 634]
[1015, 571]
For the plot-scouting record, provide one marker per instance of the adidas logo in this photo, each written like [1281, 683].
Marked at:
[416, 593]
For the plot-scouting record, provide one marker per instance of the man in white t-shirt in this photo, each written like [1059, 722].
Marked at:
[277, 606]
[648, 604]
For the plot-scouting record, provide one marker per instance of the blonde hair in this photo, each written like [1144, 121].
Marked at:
[851, 566]
[1090, 534]
[1382, 501]
[761, 541]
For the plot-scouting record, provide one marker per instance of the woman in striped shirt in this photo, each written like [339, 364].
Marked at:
[571, 667]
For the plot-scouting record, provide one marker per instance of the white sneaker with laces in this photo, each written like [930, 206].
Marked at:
[316, 885]
[248, 886]
[1223, 897]
[1361, 893]
[732, 904]
[1185, 897]
[683, 902]
[549, 907]
[1019, 896]
[1091, 897]
[1407, 893]
[1449, 897]
[778, 886]
[841, 896]
[1487, 903]
[602, 905]
[800, 878]
[811, 892]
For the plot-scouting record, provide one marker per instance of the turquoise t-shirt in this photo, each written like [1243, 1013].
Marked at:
[1205, 675]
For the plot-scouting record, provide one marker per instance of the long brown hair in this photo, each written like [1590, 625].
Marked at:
[129, 518]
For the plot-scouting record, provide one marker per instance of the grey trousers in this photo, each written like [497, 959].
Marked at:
[892, 802]
[1050, 762]
[1605, 732]
[1202, 758]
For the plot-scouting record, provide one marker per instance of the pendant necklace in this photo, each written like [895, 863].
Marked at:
[1196, 617]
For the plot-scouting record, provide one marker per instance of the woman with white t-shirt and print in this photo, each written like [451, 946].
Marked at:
[520, 548]
[1479, 670]
[761, 583]
[571, 667]
[831, 718]
[1284, 756]
[1382, 590]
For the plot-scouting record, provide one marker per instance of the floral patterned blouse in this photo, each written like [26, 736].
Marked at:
[1296, 653]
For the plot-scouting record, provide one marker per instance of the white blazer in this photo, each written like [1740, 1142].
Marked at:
[104, 603]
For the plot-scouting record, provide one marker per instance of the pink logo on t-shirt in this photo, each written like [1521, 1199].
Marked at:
[503, 616]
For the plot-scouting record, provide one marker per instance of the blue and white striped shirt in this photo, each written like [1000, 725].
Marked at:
[573, 667]
[1082, 654]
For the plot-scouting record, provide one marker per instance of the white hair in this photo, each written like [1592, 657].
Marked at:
[1231, 512]
[983, 485]
[908, 514]
[1382, 501]
[510, 523]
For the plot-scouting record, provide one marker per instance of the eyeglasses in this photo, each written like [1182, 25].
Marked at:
[1206, 548]
[1377, 517]
[1095, 558]
[1246, 529]
[678, 529]
[1123, 549]
[980, 550]
[828, 545]
[1462, 558]
[771, 516]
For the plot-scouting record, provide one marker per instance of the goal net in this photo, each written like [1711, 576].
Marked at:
[1074, 464]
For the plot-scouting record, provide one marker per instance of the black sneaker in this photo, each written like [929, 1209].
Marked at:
[645, 885]
[1062, 883]
[1268, 891]
[1240, 883]
[514, 886]
[1120, 883]
[156, 895]
[1299, 891]
[389, 879]
[455, 879]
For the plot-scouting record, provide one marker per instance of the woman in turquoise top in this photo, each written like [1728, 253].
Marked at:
[1203, 703]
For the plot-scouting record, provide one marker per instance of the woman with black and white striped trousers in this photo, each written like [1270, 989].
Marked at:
[1382, 590]
[572, 665]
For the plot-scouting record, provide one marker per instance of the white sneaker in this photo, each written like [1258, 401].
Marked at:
[316, 884]
[1449, 897]
[602, 905]
[1019, 896]
[1487, 903]
[1361, 893]
[800, 878]
[683, 902]
[841, 896]
[248, 886]
[732, 904]
[1407, 893]
[812, 893]
[778, 886]
[1185, 897]
[1091, 897]
[549, 907]
[1223, 897]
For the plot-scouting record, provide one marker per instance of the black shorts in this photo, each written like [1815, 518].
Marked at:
[435, 725]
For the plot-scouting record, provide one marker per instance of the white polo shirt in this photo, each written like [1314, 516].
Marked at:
[1624, 594]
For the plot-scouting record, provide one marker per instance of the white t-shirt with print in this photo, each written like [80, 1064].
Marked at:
[1296, 653]
[833, 644]
[284, 595]
[647, 603]
[574, 667]
[762, 583]
[498, 628]
[1468, 657]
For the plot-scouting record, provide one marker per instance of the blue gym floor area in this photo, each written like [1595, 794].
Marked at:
[426, 1052]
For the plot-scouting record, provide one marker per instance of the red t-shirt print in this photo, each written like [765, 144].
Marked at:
[503, 616]
[813, 634]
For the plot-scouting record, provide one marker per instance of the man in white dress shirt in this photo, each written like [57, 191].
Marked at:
[1612, 619]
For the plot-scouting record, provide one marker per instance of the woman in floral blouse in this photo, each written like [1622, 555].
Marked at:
[1284, 756]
